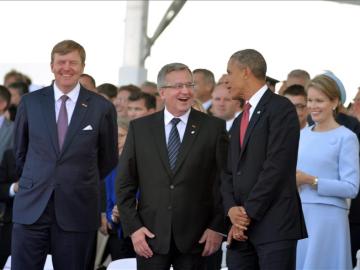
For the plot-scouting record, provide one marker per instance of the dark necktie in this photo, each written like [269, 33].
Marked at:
[244, 122]
[62, 123]
[173, 143]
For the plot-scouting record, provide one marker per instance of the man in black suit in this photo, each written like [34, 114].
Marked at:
[259, 187]
[174, 159]
[65, 142]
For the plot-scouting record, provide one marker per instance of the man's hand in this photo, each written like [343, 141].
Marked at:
[236, 234]
[104, 224]
[16, 187]
[239, 218]
[212, 242]
[138, 239]
[115, 215]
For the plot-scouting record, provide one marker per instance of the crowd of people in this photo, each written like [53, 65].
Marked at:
[166, 172]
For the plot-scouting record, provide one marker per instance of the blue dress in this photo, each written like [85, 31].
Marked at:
[333, 157]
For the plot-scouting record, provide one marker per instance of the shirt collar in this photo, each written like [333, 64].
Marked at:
[254, 100]
[168, 117]
[73, 94]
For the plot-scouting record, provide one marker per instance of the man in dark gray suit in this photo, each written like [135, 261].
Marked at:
[65, 142]
[174, 158]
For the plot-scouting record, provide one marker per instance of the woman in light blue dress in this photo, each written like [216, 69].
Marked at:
[328, 174]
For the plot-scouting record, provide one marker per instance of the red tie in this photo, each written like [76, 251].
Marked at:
[244, 122]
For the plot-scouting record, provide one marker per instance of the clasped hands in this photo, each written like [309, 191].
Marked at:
[240, 222]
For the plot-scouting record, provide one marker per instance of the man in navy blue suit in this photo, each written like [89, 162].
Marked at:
[65, 141]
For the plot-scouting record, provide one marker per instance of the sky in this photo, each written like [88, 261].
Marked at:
[310, 35]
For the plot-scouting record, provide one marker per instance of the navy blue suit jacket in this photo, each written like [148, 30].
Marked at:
[261, 175]
[71, 174]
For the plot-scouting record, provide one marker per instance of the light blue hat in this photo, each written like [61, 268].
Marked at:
[339, 84]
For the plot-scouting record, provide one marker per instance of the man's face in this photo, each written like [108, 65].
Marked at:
[15, 96]
[201, 87]
[223, 106]
[235, 80]
[121, 102]
[67, 69]
[122, 133]
[301, 108]
[178, 92]
[137, 108]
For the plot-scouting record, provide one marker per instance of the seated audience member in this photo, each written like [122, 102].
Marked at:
[140, 104]
[271, 83]
[149, 87]
[121, 100]
[296, 76]
[204, 85]
[327, 175]
[13, 76]
[223, 106]
[297, 95]
[8, 189]
[107, 90]
[88, 82]
[6, 126]
[17, 90]
[355, 106]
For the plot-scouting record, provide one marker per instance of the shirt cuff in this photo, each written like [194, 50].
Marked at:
[12, 191]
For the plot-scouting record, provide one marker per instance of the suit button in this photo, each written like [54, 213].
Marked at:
[238, 173]
[169, 207]
[172, 186]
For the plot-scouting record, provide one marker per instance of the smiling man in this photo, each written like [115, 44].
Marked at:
[65, 142]
[174, 158]
[259, 186]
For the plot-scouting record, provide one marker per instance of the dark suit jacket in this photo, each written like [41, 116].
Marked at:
[71, 174]
[184, 203]
[261, 175]
[7, 178]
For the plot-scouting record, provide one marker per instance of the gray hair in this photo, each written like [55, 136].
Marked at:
[252, 59]
[170, 68]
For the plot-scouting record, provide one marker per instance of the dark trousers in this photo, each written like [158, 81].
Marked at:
[5, 242]
[174, 258]
[272, 256]
[355, 240]
[32, 243]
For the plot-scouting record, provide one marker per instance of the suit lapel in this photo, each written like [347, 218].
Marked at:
[191, 132]
[258, 112]
[158, 130]
[48, 107]
[77, 117]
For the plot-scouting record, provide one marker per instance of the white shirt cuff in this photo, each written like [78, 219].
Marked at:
[11, 190]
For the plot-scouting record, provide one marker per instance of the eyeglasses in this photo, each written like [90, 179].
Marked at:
[180, 86]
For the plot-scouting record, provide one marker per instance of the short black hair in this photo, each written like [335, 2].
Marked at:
[5, 96]
[295, 90]
[107, 89]
[150, 100]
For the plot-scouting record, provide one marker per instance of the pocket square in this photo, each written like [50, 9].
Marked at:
[88, 127]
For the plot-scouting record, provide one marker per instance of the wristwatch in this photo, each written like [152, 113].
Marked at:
[315, 182]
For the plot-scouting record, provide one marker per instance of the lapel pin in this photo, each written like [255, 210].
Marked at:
[192, 132]
[84, 105]
[258, 112]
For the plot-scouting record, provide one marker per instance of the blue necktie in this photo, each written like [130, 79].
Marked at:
[173, 143]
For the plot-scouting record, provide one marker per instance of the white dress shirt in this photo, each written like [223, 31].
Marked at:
[254, 100]
[70, 103]
[181, 126]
